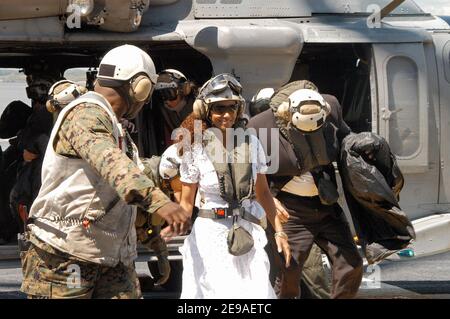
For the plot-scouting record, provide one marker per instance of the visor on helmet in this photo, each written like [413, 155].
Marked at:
[308, 110]
[168, 91]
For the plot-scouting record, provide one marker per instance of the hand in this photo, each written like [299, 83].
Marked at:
[176, 217]
[282, 213]
[28, 156]
[283, 246]
[170, 231]
[167, 234]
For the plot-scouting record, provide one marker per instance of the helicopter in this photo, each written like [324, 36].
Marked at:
[387, 62]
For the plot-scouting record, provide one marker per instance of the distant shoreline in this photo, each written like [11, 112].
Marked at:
[15, 81]
[14, 76]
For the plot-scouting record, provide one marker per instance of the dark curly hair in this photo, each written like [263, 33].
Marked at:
[189, 125]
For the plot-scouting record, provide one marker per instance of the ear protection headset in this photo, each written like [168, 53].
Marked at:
[140, 88]
[186, 88]
[223, 87]
[199, 108]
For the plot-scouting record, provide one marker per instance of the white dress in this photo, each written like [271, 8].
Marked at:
[210, 271]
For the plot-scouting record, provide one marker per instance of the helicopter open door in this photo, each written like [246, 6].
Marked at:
[403, 102]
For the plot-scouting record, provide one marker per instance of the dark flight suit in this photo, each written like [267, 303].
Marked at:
[311, 221]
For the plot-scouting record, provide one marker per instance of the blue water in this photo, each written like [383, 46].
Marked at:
[10, 92]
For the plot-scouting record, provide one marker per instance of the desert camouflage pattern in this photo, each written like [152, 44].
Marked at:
[87, 133]
[49, 273]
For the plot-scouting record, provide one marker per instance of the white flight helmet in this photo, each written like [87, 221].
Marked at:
[170, 163]
[128, 64]
[175, 73]
[308, 110]
[62, 93]
[265, 93]
[261, 101]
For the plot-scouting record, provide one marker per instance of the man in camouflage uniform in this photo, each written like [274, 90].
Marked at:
[82, 236]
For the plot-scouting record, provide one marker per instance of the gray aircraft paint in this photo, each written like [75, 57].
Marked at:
[260, 41]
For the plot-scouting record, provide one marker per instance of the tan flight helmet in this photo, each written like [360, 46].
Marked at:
[62, 93]
[223, 87]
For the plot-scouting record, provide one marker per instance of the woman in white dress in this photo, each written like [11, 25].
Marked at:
[210, 270]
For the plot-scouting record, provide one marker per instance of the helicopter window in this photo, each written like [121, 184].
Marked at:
[404, 125]
[76, 74]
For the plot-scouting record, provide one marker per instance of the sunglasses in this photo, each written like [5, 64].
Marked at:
[222, 109]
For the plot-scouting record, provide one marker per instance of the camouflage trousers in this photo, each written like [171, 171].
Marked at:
[58, 275]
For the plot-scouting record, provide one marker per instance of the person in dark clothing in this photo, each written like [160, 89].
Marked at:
[14, 118]
[311, 128]
[31, 145]
[12, 121]
[6, 221]
[315, 281]
[175, 95]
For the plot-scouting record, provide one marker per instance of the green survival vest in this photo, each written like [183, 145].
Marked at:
[233, 168]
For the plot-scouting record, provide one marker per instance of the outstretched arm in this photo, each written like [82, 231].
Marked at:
[86, 133]
[188, 193]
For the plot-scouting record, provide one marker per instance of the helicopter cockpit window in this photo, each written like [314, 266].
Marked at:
[404, 124]
[81, 76]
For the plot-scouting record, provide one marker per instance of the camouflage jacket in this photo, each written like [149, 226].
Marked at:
[86, 133]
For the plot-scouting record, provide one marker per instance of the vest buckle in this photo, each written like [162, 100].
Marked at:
[220, 212]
